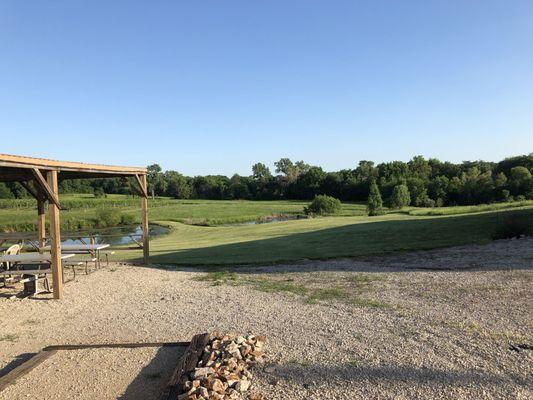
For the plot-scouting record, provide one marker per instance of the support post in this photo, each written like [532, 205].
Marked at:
[144, 211]
[41, 221]
[55, 237]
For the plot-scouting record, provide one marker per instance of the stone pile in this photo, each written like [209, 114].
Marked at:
[223, 370]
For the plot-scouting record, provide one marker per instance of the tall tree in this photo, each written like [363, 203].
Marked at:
[152, 176]
[374, 203]
[400, 197]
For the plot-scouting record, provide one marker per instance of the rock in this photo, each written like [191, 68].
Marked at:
[202, 391]
[218, 386]
[223, 372]
[242, 386]
[202, 372]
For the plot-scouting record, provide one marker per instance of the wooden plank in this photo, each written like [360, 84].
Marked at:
[55, 239]
[11, 377]
[144, 211]
[11, 272]
[115, 345]
[13, 161]
[186, 364]
[51, 195]
[30, 258]
[142, 185]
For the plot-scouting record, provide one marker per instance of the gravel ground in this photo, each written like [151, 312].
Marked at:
[139, 374]
[450, 316]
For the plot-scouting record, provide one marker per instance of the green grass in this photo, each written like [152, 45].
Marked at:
[310, 294]
[469, 209]
[360, 279]
[320, 238]
[349, 234]
[9, 337]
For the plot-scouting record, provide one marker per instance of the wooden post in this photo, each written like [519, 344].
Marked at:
[41, 221]
[55, 237]
[144, 211]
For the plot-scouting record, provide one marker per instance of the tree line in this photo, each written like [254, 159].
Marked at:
[418, 182]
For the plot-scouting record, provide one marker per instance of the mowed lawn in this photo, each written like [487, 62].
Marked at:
[321, 238]
[226, 241]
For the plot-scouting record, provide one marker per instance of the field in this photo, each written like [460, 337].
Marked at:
[207, 232]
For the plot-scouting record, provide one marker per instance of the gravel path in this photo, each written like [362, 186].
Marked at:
[445, 333]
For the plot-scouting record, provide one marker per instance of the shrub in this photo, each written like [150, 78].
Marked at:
[108, 217]
[5, 193]
[323, 205]
[127, 219]
[375, 203]
[504, 195]
[400, 197]
[511, 227]
[99, 193]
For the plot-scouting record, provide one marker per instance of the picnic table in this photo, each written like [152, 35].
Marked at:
[79, 248]
[94, 249]
[30, 258]
[29, 277]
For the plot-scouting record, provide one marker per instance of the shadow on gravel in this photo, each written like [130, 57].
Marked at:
[154, 376]
[376, 375]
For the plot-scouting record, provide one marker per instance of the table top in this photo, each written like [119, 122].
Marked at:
[18, 235]
[30, 257]
[79, 247]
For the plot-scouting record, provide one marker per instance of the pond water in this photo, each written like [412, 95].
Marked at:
[116, 236]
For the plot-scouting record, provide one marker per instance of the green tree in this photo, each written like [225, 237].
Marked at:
[374, 203]
[521, 181]
[260, 172]
[177, 185]
[400, 197]
[153, 175]
[5, 193]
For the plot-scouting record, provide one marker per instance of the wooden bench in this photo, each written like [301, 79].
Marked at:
[75, 263]
[29, 277]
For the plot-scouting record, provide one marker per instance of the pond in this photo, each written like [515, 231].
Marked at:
[116, 236]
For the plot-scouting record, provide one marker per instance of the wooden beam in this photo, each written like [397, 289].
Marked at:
[45, 186]
[144, 218]
[186, 364]
[115, 345]
[21, 370]
[142, 185]
[11, 161]
[55, 237]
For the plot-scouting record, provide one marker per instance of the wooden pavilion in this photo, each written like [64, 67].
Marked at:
[40, 178]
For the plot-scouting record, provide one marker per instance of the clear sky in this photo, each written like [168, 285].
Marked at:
[215, 86]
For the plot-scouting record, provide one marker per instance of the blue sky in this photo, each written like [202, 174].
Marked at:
[215, 86]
